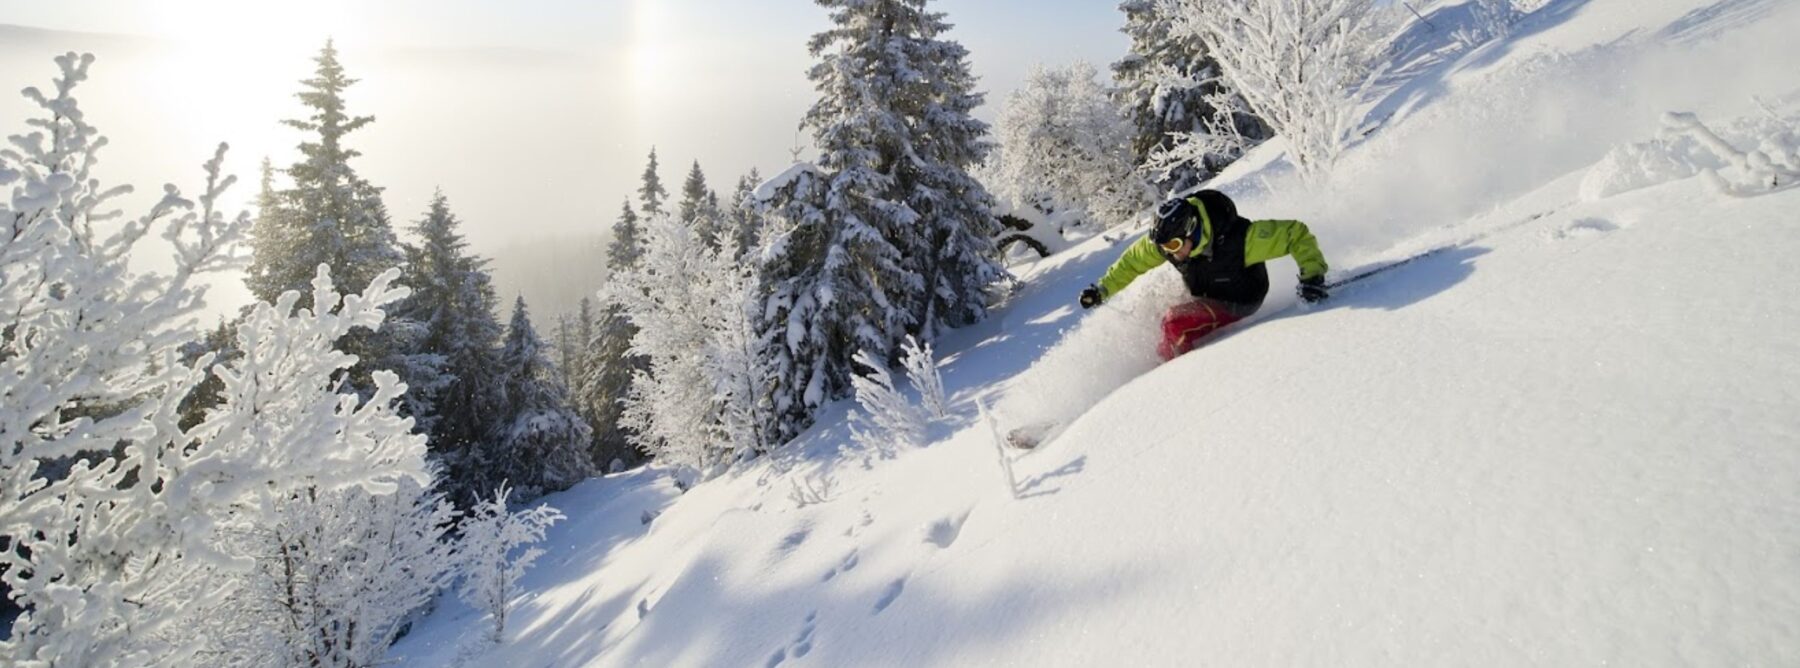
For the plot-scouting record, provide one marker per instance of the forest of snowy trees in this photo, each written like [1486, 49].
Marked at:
[292, 485]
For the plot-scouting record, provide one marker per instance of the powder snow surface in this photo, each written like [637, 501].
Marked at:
[1570, 437]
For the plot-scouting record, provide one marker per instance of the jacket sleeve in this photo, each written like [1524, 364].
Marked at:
[1138, 258]
[1270, 239]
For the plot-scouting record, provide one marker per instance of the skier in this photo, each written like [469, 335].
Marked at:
[1220, 256]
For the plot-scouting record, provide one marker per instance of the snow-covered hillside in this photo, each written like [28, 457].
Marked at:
[1569, 436]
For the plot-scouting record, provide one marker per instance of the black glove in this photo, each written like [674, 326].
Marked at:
[1312, 290]
[1090, 296]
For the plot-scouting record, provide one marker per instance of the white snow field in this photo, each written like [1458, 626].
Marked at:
[1570, 437]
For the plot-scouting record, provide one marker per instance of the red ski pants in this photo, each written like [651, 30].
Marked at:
[1184, 325]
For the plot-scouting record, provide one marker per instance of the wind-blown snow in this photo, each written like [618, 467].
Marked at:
[1567, 438]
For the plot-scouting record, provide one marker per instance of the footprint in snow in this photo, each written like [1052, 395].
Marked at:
[888, 596]
[849, 562]
[1585, 227]
[944, 531]
[801, 645]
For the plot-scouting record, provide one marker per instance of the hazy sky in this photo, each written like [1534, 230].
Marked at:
[533, 116]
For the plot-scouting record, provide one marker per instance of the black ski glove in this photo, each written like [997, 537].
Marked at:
[1090, 296]
[1312, 290]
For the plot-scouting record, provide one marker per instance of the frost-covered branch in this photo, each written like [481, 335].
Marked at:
[1295, 61]
[887, 420]
[922, 371]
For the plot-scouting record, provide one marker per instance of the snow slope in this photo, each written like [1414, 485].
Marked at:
[1569, 437]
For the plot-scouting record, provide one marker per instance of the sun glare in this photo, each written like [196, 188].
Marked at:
[258, 26]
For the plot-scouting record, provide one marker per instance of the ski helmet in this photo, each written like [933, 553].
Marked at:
[1175, 219]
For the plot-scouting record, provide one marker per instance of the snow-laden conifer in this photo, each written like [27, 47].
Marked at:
[651, 192]
[492, 536]
[1189, 122]
[453, 300]
[905, 243]
[540, 444]
[699, 207]
[742, 214]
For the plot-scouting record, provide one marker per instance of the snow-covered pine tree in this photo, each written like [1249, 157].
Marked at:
[1169, 86]
[584, 332]
[1066, 151]
[330, 215]
[540, 443]
[792, 259]
[628, 239]
[607, 364]
[493, 563]
[651, 192]
[564, 355]
[743, 220]
[453, 300]
[906, 243]
[699, 207]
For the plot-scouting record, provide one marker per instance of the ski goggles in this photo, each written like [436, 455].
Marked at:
[1173, 245]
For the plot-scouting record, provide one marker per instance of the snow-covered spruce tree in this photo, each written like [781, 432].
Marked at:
[1065, 148]
[887, 421]
[668, 298]
[607, 362]
[1169, 86]
[453, 300]
[743, 220]
[651, 192]
[1297, 63]
[332, 216]
[791, 258]
[540, 443]
[699, 207]
[906, 243]
[493, 562]
[564, 349]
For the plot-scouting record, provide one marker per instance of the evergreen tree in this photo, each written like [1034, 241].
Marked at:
[905, 245]
[565, 354]
[541, 446]
[628, 241]
[742, 221]
[584, 332]
[699, 207]
[652, 192]
[607, 363]
[330, 215]
[453, 300]
[1169, 83]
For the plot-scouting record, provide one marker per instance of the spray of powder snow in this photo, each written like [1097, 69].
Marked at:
[1112, 345]
[1439, 162]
